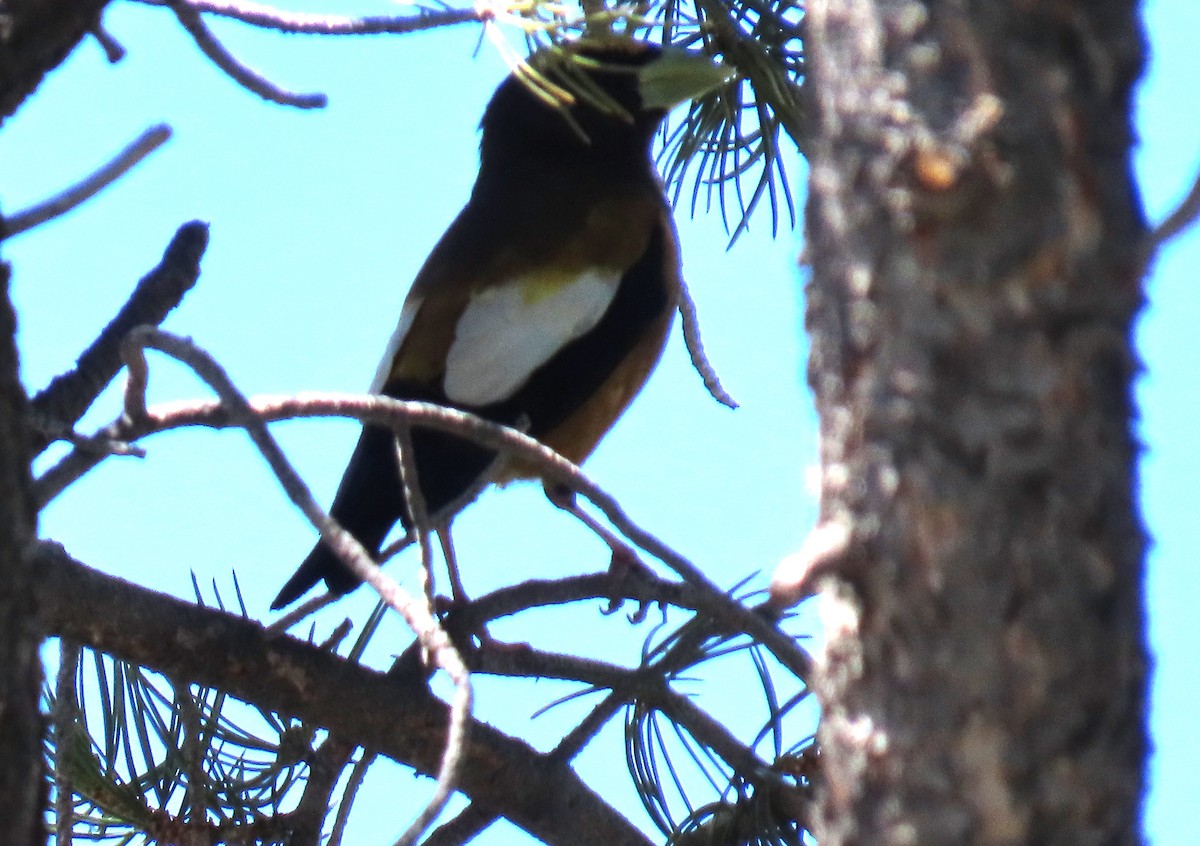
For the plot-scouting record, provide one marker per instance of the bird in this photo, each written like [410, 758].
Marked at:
[549, 299]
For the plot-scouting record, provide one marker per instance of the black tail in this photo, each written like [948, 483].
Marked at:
[368, 503]
[370, 499]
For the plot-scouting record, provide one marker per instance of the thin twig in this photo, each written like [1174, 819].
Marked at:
[122, 163]
[357, 773]
[573, 741]
[334, 639]
[266, 17]
[66, 734]
[444, 514]
[195, 808]
[245, 76]
[645, 684]
[456, 738]
[385, 411]
[113, 51]
[457, 591]
[414, 499]
[415, 613]
[641, 586]
[86, 443]
[687, 647]
[499, 659]
[637, 585]
[695, 348]
[683, 653]
[452, 758]
[301, 611]
[1182, 218]
[620, 550]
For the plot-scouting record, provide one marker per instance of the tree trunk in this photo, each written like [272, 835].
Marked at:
[22, 781]
[35, 37]
[976, 237]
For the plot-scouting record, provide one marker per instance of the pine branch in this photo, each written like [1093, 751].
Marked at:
[396, 717]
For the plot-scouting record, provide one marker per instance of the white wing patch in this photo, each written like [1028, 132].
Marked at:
[411, 306]
[509, 331]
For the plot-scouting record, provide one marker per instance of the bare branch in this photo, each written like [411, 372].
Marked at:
[302, 610]
[384, 411]
[63, 402]
[695, 348]
[500, 659]
[1178, 221]
[122, 163]
[325, 769]
[113, 51]
[719, 614]
[577, 738]
[640, 586]
[456, 736]
[353, 783]
[645, 685]
[65, 716]
[245, 76]
[392, 715]
[414, 499]
[416, 613]
[191, 751]
[267, 17]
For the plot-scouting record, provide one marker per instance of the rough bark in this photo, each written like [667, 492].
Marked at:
[387, 714]
[974, 232]
[21, 777]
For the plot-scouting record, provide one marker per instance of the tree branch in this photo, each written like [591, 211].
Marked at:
[758, 623]
[1179, 220]
[243, 75]
[417, 614]
[695, 348]
[394, 716]
[645, 684]
[307, 820]
[64, 724]
[76, 195]
[58, 406]
[266, 17]
[113, 50]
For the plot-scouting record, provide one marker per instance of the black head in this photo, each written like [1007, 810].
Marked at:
[633, 84]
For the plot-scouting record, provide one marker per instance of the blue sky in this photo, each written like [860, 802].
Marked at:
[320, 219]
[1167, 162]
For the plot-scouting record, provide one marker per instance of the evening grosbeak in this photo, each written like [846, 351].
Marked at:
[547, 302]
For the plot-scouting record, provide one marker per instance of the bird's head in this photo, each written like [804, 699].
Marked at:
[597, 98]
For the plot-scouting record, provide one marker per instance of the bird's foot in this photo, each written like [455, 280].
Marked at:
[624, 565]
